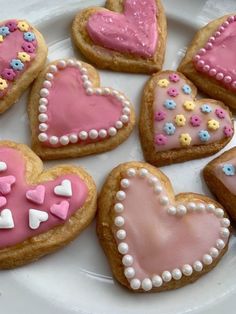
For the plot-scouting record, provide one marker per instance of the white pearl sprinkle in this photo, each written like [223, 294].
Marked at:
[158, 189]
[143, 172]
[127, 260]
[224, 232]
[49, 76]
[207, 259]
[131, 172]
[225, 222]
[198, 266]
[78, 64]
[71, 63]
[98, 91]
[135, 284]
[89, 91]
[53, 140]
[42, 117]
[210, 208]
[119, 124]
[42, 108]
[220, 244]
[43, 101]
[47, 84]
[164, 200]
[112, 131]
[129, 272]
[61, 64]
[191, 206]
[187, 270]
[119, 221]
[181, 210]
[119, 207]
[114, 92]
[93, 134]
[43, 137]
[83, 135]
[87, 84]
[126, 111]
[177, 274]
[121, 234]
[106, 91]
[171, 210]
[84, 78]
[84, 71]
[44, 92]
[120, 97]
[214, 252]
[126, 103]
[120, 195]
[53, 68]
[125, 183]
[166, 276]
[73, 138]
[152, 180]
[64, 140]
[123, 248]
[219, 212]
[102, 133]
[43, 127]
[157, 281]
[147, 284]
[200, 207]
[124, 118]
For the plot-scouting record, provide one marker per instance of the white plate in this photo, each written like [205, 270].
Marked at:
[77, 279]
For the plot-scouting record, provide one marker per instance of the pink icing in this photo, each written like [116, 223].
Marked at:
[11, 45]
[219, 59]
[71, 110]
[134, 31]
[173, 141]
[19, 205]
[158, 241]
[228, 181]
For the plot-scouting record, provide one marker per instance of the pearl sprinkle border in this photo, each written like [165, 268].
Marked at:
[200, 63]
[180, 210]
[93, 134]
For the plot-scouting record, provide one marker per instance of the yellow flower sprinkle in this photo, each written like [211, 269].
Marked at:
[163, 83]
[1, 38]
[189, 105]
[185, 139]
[23, 26]
[213, 125]
[23, 56]
[3, 84]
[180, 120]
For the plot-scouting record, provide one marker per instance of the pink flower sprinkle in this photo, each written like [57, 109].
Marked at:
[228, 131]
[28, 47]
[195, 120]
[8, 74]
[172, 91]
[220, 113]
[159, 115]
[174, 77]
[160, 139]
[12, 25]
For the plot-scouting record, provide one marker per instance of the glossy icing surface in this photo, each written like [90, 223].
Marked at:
[134, 31]
[19, 205]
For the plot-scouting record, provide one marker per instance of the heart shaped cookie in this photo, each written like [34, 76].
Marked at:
[34, 219]
[220, 176]
[71, 115]
[210, 60]
[154, 240]
[175, 126]
[127, 36]
[23, 53]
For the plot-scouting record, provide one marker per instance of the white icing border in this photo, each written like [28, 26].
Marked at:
[90, 90]
[180, 210]
[200, 63]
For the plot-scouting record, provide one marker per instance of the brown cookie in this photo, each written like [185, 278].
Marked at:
[127, 36]
[175, 126]
[23, 55]
[153, 239]
[71, 115]
[210, 60]
[40, 211]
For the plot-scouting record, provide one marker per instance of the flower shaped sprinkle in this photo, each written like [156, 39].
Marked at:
[28, 47]
[3, 84]
[213, 125]
[163, 83]
[160, 139]
[220, 113]
[180, 120]
[159, 115]
[204, 136]
[229, 170]
[12, 25]
[169, 128]
[23, 26]
[170, 104]
[185, 139]
[195, 120]
[16, 64]
[174, 77]
[189, 105]
[206, 108]
[1, 38]
[24, 56]
[29, 36]
[8, 74]
[187, 89]
[228, 131]
[4, 31]
[172, 91]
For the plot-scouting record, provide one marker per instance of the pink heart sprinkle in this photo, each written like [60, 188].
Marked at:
[3, 201]
[37, 195]
[6, 183]
[60, 210]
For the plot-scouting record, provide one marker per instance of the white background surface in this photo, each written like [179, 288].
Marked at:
[77, 279]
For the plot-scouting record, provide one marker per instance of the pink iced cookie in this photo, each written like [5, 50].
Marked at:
[39, 211]
[154, 240]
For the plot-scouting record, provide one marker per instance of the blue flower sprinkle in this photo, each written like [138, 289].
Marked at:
[28, 36]
[170, 104]
[204, 136]
[229, 170]
[169, 128]
[187, 89]
[16, 64]
[206, 108]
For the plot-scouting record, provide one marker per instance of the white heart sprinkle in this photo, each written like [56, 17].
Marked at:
[3, 166]
[36, 217]
[6, 219]
[64, 189]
